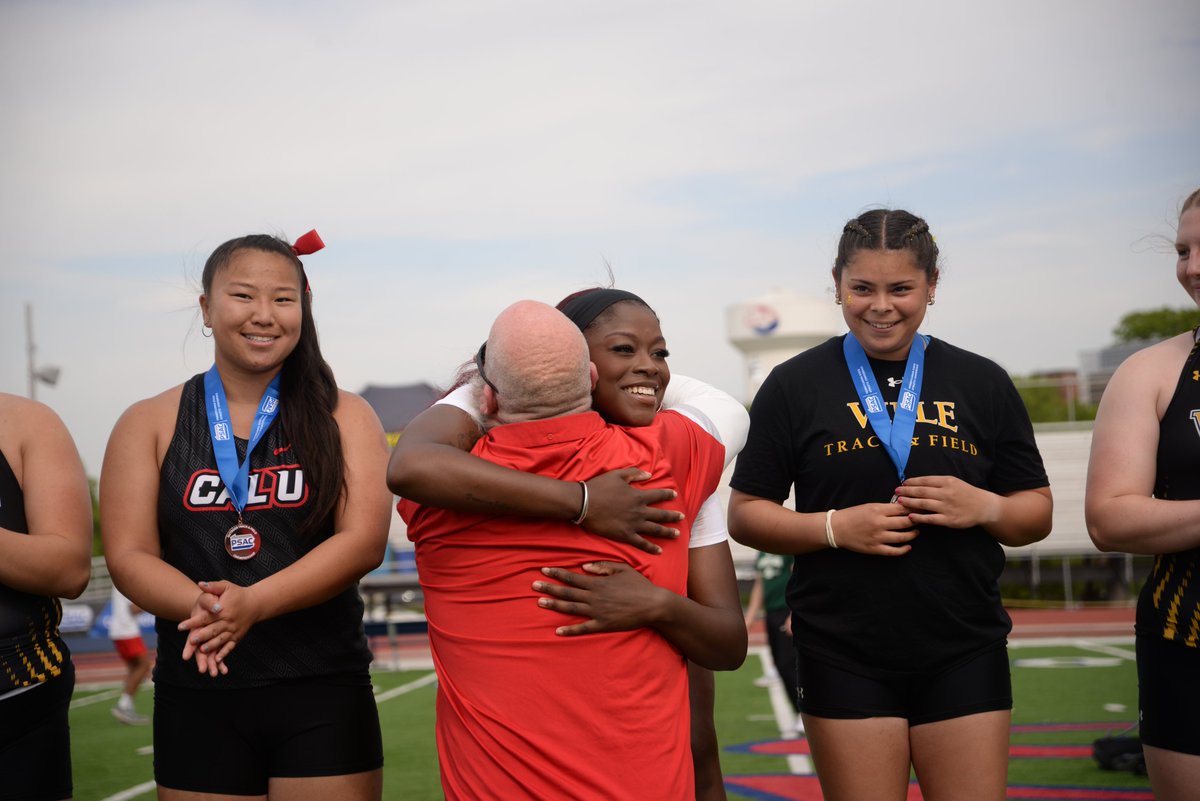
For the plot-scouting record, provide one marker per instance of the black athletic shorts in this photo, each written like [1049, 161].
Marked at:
[1169, 706]
[235, 741]
[983, 683]
[35, 741]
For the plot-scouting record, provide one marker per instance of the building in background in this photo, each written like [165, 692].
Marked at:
[776, 326]
[1098, 366]
[397, 406]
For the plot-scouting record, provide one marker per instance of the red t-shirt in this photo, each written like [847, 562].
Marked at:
[522, 712]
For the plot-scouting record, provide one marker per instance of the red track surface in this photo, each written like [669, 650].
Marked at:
[414, 648]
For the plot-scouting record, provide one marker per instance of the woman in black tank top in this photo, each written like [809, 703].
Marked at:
[1143, 496]
[45, 554]
[241, 509]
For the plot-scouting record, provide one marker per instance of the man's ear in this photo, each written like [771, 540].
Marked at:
[489, 405]
[595, 374]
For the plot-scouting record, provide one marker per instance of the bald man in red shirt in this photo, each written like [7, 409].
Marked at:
[524, 711]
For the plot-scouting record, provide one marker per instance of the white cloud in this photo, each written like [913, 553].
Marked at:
[457, 157]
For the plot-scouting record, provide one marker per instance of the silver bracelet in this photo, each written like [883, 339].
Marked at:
[583, 508]
[829, 529]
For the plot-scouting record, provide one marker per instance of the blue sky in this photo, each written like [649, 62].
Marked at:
[457, 157]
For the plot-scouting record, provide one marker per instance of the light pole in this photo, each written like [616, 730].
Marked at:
[47, 375]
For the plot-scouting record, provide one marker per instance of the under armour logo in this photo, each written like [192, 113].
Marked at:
[895, 382]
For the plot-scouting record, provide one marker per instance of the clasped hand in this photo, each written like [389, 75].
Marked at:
[612, 595]
[221, 616]
[887, 529]
[947, 501]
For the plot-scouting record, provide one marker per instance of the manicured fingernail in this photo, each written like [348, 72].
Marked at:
[204, 584]
[182, 627]
[216, 607]
[543, 601]
[539, 586]
[545, 571]
[588, 565]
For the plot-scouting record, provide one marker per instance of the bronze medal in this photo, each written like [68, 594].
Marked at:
[242, 541]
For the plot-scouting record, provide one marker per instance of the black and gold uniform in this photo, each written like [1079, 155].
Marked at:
[938, 606]
[31, 650]
[1168, 612]
[36, 678]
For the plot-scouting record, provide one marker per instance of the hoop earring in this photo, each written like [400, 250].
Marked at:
[837, 298]
[208, 328]
[930, 302]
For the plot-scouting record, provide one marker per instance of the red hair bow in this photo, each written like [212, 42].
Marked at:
[309, 243]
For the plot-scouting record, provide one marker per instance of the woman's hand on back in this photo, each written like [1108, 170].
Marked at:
[619, 511]
[614, 597]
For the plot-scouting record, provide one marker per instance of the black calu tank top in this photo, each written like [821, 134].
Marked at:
[31, 650]
[1169, 604]
[194, 513]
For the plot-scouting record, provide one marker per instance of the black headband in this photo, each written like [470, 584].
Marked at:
[585, 308]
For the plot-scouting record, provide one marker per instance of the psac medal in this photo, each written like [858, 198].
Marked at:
[242, 541]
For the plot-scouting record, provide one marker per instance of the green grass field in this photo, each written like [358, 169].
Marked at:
[112, 761]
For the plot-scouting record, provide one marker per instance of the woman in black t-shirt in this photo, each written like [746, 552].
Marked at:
[897, 618]
[1143, 496]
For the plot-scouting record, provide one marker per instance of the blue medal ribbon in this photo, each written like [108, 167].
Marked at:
[236, 477]
[895, 435]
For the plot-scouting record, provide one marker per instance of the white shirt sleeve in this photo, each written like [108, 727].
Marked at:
[122, 625]
[465, 398]
[709, 525]
[716, 412]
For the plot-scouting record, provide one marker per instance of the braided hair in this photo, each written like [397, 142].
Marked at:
[888, 229]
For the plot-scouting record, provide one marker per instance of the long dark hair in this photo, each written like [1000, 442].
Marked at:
[308, 393]
[888, 229]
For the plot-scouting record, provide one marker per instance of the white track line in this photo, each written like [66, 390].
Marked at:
[427, 679]
[785, 716]
[1042, 642]
[132, 792]
[107, 695]
[1100, 648]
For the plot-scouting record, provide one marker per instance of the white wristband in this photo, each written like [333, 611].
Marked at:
[829, 538]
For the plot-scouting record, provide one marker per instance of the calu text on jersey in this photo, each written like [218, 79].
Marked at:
[281, 486]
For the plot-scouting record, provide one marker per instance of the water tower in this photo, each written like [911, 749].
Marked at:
[776, 326]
